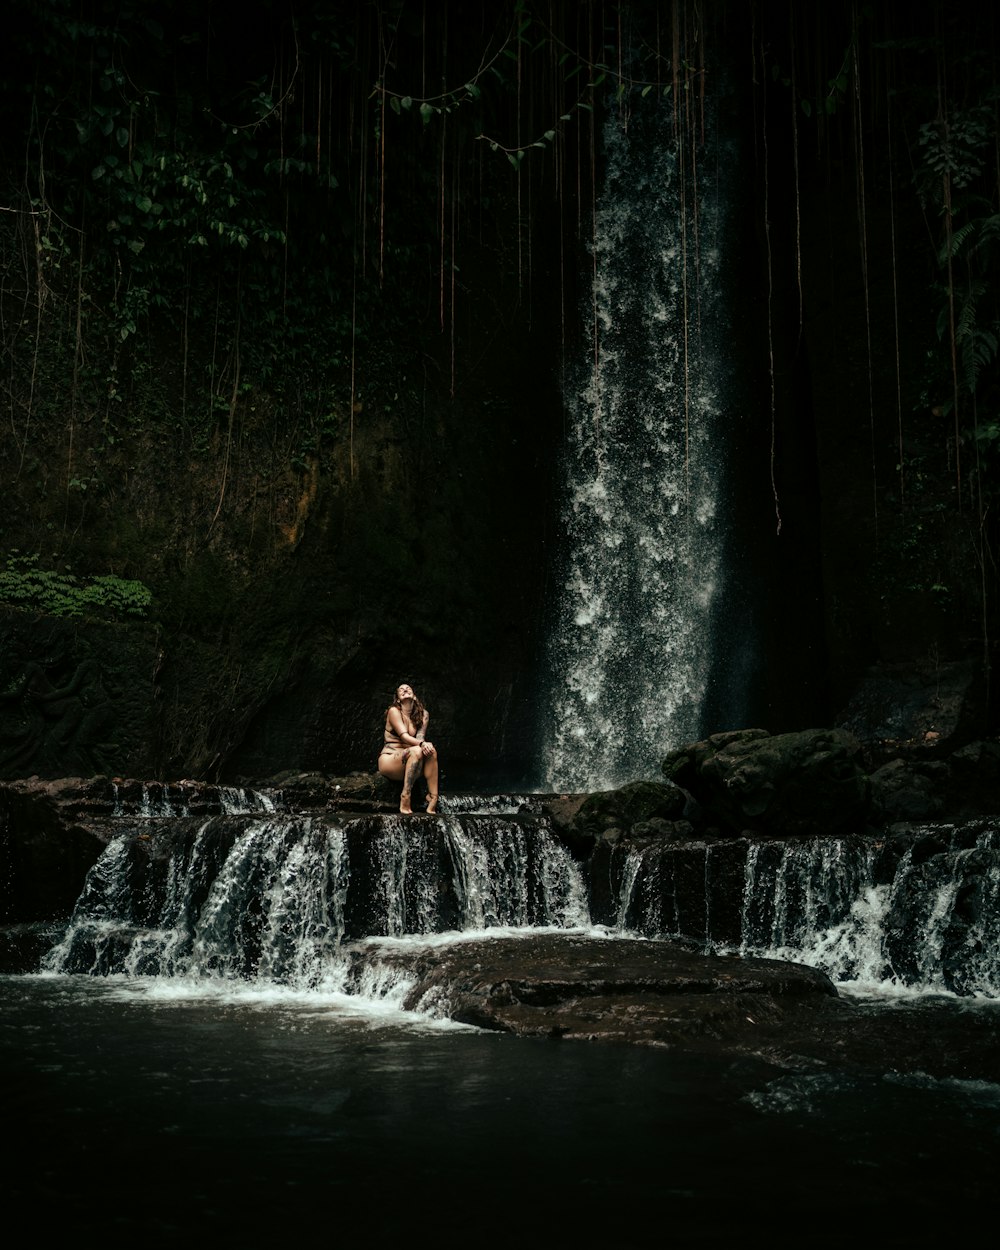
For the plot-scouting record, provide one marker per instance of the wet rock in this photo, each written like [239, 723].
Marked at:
[803, 783]
[578, 987]
[361, 791]
[910, 790]
[631, 804]
[49, 839]
[932, 704]
[975, 779]
[656, 829]
[667, 994]
[561, 809]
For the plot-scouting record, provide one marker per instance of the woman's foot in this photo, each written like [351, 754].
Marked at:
[405, 808]
[432, 804]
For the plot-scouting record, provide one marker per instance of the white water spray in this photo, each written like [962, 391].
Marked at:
[641, 569]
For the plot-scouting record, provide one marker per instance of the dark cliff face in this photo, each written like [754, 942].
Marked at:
[281, 649]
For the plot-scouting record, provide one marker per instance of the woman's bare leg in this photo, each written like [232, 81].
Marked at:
[431, 777]
[413, 768]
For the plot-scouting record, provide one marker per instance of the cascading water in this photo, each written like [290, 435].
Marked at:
[281, 898]
[926, 914]
[642, 565]
[914, 911]
[274, 900]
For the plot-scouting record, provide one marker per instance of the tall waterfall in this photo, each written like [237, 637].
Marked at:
[642, 563]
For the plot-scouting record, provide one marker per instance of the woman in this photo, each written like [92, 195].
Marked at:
[407, 753]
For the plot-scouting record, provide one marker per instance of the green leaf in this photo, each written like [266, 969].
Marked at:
[550, 135]
[394, 103]
[425, 112]
[407, 101]
[807, 108]
[646, 90]
[121, 134]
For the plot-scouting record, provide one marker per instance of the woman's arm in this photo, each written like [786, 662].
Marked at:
[427, 746]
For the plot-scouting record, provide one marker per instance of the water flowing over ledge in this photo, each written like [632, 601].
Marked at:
[274, 899]
[916, 910]
[261, 896]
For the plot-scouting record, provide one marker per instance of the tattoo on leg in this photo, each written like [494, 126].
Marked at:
[412, 773]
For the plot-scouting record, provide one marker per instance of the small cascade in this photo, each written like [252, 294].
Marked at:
[485, 804]
[276, 899]
[910, 911]
[236, 800]
[149, 800]
[262, 901]
[154, 800]
[507, 875]
[634, 912]
[663, 891]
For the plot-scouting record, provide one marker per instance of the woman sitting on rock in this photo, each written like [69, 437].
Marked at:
[407, 754]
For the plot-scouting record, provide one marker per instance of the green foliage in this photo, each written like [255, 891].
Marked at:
[25, 585]
[957, 147]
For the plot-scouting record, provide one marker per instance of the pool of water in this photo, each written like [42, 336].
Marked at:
[147, 1112]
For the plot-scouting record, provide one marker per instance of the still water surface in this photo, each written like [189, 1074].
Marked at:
[152, 1113]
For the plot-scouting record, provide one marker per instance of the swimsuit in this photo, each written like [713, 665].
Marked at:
[393, 745]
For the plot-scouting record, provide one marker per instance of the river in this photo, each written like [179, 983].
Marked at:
[145, 1111]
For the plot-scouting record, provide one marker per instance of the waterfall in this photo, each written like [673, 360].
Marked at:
[276, 899]
[915, 911]
[641, 570]
[298, 899]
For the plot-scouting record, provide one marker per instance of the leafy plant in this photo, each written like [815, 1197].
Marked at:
[24, 584]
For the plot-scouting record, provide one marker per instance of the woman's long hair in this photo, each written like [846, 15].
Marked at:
[416, 715]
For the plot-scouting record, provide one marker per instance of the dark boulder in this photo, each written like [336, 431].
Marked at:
[934, 703]
[910, 789]
[638, 802]
[656, 993]
[803, 783]
[974, 775]
[668, 994]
